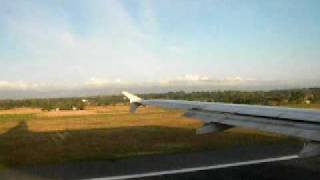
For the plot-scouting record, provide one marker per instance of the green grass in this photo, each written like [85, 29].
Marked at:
[2, 167]
[16, 117]
[22, 147]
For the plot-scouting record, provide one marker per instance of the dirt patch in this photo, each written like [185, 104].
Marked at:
[65, 113]
[21, 111]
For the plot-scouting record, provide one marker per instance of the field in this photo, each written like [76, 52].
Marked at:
[309, 106]
[30, 136]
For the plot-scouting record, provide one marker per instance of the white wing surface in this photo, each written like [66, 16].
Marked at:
[217, 117]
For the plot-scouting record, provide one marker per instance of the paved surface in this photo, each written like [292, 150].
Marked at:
[291, 170]
[196, 169]
[299, 169]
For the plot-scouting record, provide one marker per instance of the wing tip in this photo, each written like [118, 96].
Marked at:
[133, 98]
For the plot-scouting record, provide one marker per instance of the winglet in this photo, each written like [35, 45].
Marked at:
[135, 101]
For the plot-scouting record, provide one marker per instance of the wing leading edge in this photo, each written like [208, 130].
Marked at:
[218, 117]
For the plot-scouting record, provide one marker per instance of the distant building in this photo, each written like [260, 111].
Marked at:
[74, 108]
[84, 100]
[308, 98]
[307, 102]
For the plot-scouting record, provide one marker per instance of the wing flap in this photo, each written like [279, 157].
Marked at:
[220, 116]
[304, 130]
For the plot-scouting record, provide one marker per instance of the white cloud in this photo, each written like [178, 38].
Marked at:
[5, 85]
[238, 79]
[96, 82]
[234, 78]
[185, 78]
[100, 82]
[206, 81]
[102, 86]
[115, 43]
[194, 77]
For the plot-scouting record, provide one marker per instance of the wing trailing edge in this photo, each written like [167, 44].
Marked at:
[218, 117]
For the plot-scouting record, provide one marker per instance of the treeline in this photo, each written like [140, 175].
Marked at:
[279, 97]
[276, 97]
[61, 103]
[44, 104]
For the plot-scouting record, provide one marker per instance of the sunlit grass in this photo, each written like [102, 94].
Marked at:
[112, 134]
[309, 106]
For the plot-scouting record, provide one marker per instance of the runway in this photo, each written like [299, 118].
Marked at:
[203, 168]
[236, 163]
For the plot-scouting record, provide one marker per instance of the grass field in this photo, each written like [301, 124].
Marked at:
[29, 136]
[309, 106]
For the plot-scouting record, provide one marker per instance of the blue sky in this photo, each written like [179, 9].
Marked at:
[92, 42]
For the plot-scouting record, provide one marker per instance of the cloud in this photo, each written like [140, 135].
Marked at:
[96, 82]
[193, 77]
[238, 78]
[116, 45]
[8, 85]
[58, 47]
[100, 82]
[48, 40]
[202, 80]
[5, 85]
[102, 86]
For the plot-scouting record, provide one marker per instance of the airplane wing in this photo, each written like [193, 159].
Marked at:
[301, 123]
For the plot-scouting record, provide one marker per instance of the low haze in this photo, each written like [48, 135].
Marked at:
[75, 48]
